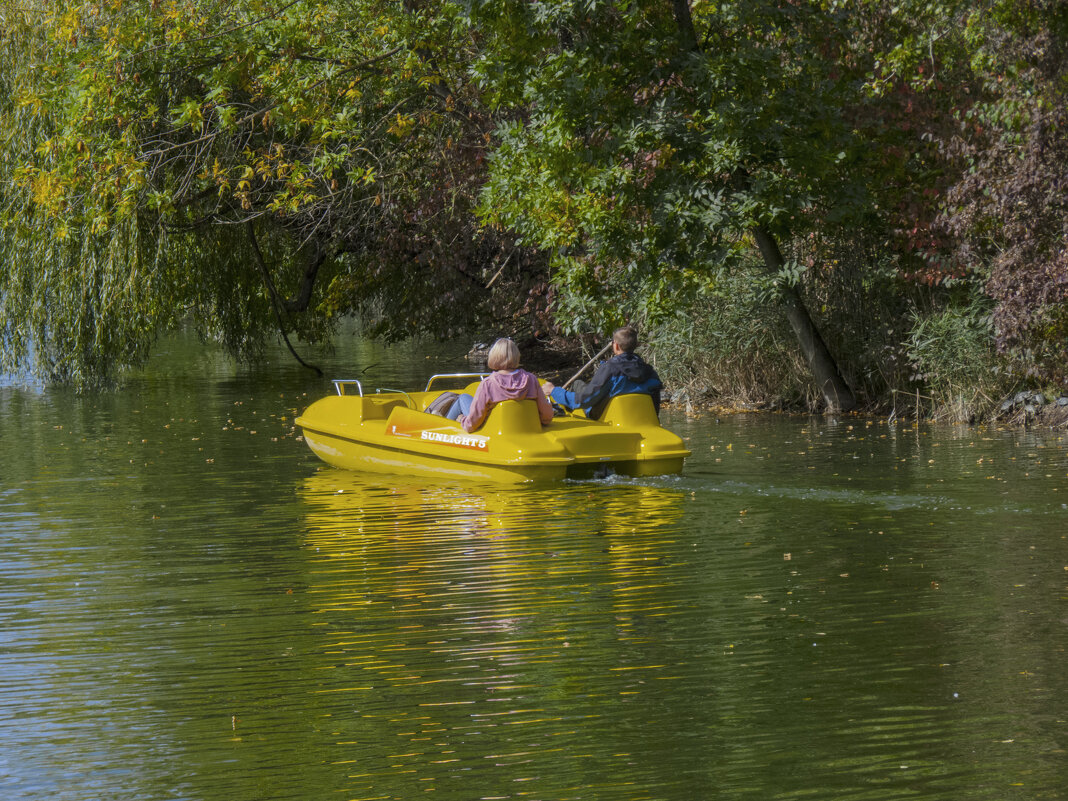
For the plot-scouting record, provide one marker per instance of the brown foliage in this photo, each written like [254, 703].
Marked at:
[1009, 211]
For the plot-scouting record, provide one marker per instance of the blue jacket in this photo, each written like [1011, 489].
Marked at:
[620, 375]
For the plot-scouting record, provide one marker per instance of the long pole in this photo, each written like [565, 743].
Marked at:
[603, 351]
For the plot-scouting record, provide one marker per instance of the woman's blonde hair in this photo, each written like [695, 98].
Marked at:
[504, 355]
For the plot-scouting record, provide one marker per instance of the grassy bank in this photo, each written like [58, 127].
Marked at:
[927, 354]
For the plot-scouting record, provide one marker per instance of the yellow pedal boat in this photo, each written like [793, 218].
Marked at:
[391, 432]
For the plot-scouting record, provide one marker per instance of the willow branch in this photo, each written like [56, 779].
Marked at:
[275, 302]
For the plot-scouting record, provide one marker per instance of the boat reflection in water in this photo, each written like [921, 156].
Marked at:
[353, 510]
[458, 533]
[456, 621]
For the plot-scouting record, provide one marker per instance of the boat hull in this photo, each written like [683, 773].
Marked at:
[391, 433]
[350, 454]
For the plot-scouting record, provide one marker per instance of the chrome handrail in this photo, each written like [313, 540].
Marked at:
[342, 382]
[479, 376]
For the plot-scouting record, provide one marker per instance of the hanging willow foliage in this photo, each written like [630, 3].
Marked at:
[153, 151]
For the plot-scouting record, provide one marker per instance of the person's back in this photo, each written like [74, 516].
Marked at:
[623, 374]
[507, 382]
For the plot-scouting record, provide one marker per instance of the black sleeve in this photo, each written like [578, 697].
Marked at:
[598, 388]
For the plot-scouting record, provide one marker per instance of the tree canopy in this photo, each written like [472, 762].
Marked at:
[223, 161]
[255, 164]
[664, 142]
[663, 146]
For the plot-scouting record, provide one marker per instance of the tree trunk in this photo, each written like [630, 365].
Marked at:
[824, 369]
[300, 301]
[684, 19]
[836, 393]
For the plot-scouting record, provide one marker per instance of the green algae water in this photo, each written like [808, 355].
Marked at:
[193, 607]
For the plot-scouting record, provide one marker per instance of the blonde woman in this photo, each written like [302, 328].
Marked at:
[507, 382]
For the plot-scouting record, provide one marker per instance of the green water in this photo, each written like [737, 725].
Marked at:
[192, 607]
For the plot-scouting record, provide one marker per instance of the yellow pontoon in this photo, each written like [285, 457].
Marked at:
[390, 431]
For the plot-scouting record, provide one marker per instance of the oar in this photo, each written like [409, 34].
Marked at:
[604, 350]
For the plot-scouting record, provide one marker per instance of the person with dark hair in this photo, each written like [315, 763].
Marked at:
[623, 374]
[507, 382]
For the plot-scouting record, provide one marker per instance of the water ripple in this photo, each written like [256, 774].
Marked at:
[783, 623]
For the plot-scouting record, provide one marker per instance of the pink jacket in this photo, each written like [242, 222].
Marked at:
[501, 385]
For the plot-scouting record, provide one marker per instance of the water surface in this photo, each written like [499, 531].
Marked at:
[193, 607]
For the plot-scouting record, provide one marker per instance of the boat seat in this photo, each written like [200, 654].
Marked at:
[379, 408]
[512, 417]
[634, 409]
